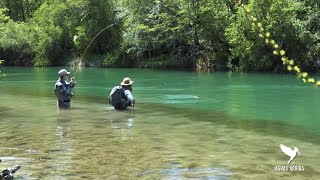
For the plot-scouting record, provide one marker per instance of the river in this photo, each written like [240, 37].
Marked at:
[185, 125]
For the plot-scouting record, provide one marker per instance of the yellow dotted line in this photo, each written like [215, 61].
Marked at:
[278, 51]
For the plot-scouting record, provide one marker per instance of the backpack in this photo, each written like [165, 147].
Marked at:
[118, 99]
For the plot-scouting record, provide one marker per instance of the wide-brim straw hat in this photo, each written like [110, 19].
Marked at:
[126, 82]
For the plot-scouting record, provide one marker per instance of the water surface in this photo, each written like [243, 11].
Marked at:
[186, 125]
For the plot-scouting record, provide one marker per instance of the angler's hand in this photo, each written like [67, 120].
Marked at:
[72, 81]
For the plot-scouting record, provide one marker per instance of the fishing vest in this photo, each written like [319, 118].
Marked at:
[63, 91]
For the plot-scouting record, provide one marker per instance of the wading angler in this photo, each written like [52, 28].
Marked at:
[63, 89]
[121, 96]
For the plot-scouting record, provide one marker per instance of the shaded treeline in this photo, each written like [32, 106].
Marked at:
[159, 33]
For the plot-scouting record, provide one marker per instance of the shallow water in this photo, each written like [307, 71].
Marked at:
[185, 125]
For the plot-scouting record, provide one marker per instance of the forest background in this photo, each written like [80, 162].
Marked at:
[180, 34]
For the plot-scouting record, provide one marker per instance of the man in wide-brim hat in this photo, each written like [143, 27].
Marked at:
[121, 96]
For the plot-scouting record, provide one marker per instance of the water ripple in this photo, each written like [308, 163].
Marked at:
[192, 173]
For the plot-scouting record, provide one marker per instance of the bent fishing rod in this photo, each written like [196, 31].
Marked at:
[80, 62]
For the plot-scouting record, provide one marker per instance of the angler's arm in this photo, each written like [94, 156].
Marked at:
[129, 96]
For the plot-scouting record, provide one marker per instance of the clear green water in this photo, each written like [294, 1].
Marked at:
[186, 125]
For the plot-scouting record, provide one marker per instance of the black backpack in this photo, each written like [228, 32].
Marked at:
[118, 98]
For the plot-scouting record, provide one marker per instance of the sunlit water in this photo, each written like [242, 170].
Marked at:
[185, 125]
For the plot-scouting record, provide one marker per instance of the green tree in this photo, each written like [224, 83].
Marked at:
[96, 15]
[21, 10]
[47, 38]
[3, 19]
[52, 31]
[16, 41]
[187, 30]
[287, 21]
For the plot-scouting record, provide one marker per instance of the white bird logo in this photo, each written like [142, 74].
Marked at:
[288, 151]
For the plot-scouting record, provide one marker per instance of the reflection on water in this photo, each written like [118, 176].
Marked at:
[192, 173]
[123, 127]
[64, 145]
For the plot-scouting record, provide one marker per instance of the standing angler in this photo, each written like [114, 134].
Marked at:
[121, 96]
[63, 89]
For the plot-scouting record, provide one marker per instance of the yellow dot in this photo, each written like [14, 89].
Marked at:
[259, 25]
[275, 52]
[276, 46]
[253, 24]
[282, 52]
[261, 29]
[311, 80]
[260, 35]
[272, 42]
[304, 80]
[289, 68]
[291, 62]
[318, 83]
[284, 59]
[267, 41]
[254, 19]
[304, 74]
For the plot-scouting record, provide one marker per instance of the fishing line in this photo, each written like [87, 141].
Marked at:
[80, 62]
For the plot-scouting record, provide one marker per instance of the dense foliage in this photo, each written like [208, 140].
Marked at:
[159, 33]
[294, 24]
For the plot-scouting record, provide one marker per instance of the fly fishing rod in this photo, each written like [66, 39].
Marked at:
[80, 62]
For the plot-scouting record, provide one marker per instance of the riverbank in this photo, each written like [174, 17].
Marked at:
[109, 61]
